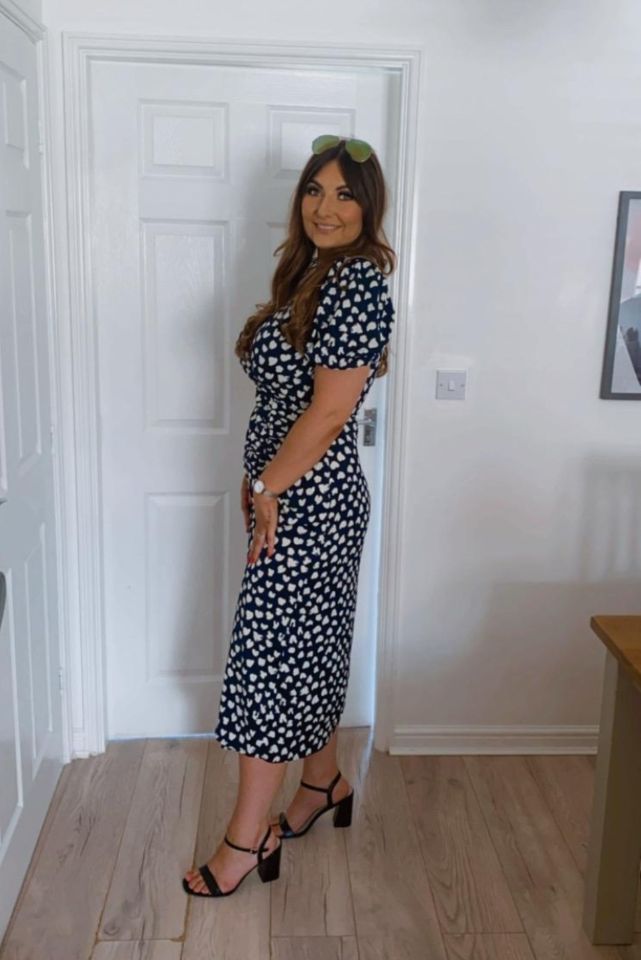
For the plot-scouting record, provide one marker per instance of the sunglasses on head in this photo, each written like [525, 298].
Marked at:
[359, 150]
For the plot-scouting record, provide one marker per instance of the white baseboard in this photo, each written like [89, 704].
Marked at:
[83, 746]
[460, 740]
[519, 739]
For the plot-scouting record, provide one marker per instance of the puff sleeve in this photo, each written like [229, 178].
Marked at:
[354, 317]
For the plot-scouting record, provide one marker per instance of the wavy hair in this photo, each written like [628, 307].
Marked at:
[297, 279]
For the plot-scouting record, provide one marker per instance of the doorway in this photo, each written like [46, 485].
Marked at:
[192, 160]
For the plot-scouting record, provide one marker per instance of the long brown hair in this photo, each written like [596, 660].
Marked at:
[296, 281]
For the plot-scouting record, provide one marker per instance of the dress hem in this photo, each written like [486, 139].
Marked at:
[270, 759]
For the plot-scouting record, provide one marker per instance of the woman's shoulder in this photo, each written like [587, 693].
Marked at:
[358, 270]
[355, 286]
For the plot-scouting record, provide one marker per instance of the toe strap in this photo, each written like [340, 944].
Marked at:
[209, 879]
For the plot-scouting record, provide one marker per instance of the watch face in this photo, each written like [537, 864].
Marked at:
[259, 486]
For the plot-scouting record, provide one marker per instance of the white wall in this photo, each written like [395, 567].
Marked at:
[524, 502]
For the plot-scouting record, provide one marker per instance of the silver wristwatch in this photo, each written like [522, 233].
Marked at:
[259, 487]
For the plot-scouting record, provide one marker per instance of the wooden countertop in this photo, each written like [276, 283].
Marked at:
[622, 637]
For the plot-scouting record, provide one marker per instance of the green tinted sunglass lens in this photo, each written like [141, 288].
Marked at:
[358, 150]
[324, 142]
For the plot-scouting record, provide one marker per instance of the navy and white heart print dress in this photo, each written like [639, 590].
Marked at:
[287, 668]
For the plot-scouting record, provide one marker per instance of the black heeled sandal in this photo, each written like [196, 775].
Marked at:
[342, 812]
[268, 869]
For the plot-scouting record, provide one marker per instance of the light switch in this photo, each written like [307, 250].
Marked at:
[450, 384]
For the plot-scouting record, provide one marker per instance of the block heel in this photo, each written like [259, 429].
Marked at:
[269, 869]
[343, 811]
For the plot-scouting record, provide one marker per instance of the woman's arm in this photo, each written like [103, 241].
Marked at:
[336, 393]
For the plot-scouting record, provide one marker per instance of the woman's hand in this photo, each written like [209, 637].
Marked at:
[245, 501]
[266, 509]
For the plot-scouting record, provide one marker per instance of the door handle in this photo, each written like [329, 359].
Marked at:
[369, 432]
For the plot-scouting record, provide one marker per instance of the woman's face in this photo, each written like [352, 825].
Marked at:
[331, 216]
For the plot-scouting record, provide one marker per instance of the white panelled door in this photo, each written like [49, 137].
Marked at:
[193, 167]
[30, 703]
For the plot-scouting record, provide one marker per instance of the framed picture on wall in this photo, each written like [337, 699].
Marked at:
[621, 379]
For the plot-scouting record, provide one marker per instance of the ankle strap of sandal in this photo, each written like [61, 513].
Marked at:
[258, 849]
[327, 790]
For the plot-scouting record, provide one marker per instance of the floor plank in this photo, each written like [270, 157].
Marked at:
[469, 887]
[314, 948]
[393, 904]
[137, 950]
[225, 928]
[488, 946]
[567, 785]
[313, 897]
[58, 915]
[146, 899]
[544, 879]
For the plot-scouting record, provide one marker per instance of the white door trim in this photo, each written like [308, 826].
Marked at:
[85, 580]
[34, 30]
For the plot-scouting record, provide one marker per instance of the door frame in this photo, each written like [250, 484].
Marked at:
[85, 636]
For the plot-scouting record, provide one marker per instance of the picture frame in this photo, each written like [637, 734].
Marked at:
[621, 377]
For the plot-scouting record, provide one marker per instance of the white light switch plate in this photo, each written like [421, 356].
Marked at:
[450, 384]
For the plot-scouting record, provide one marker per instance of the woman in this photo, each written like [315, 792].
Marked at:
[313, 352]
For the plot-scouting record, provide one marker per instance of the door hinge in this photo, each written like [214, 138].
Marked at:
[51, 435]
[61, 679]
[41, 139]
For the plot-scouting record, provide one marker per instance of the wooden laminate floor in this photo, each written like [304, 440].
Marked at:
[447, 858]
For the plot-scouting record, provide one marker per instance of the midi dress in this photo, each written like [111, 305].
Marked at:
[287, 668]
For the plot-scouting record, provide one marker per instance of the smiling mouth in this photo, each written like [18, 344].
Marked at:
[326, 227]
